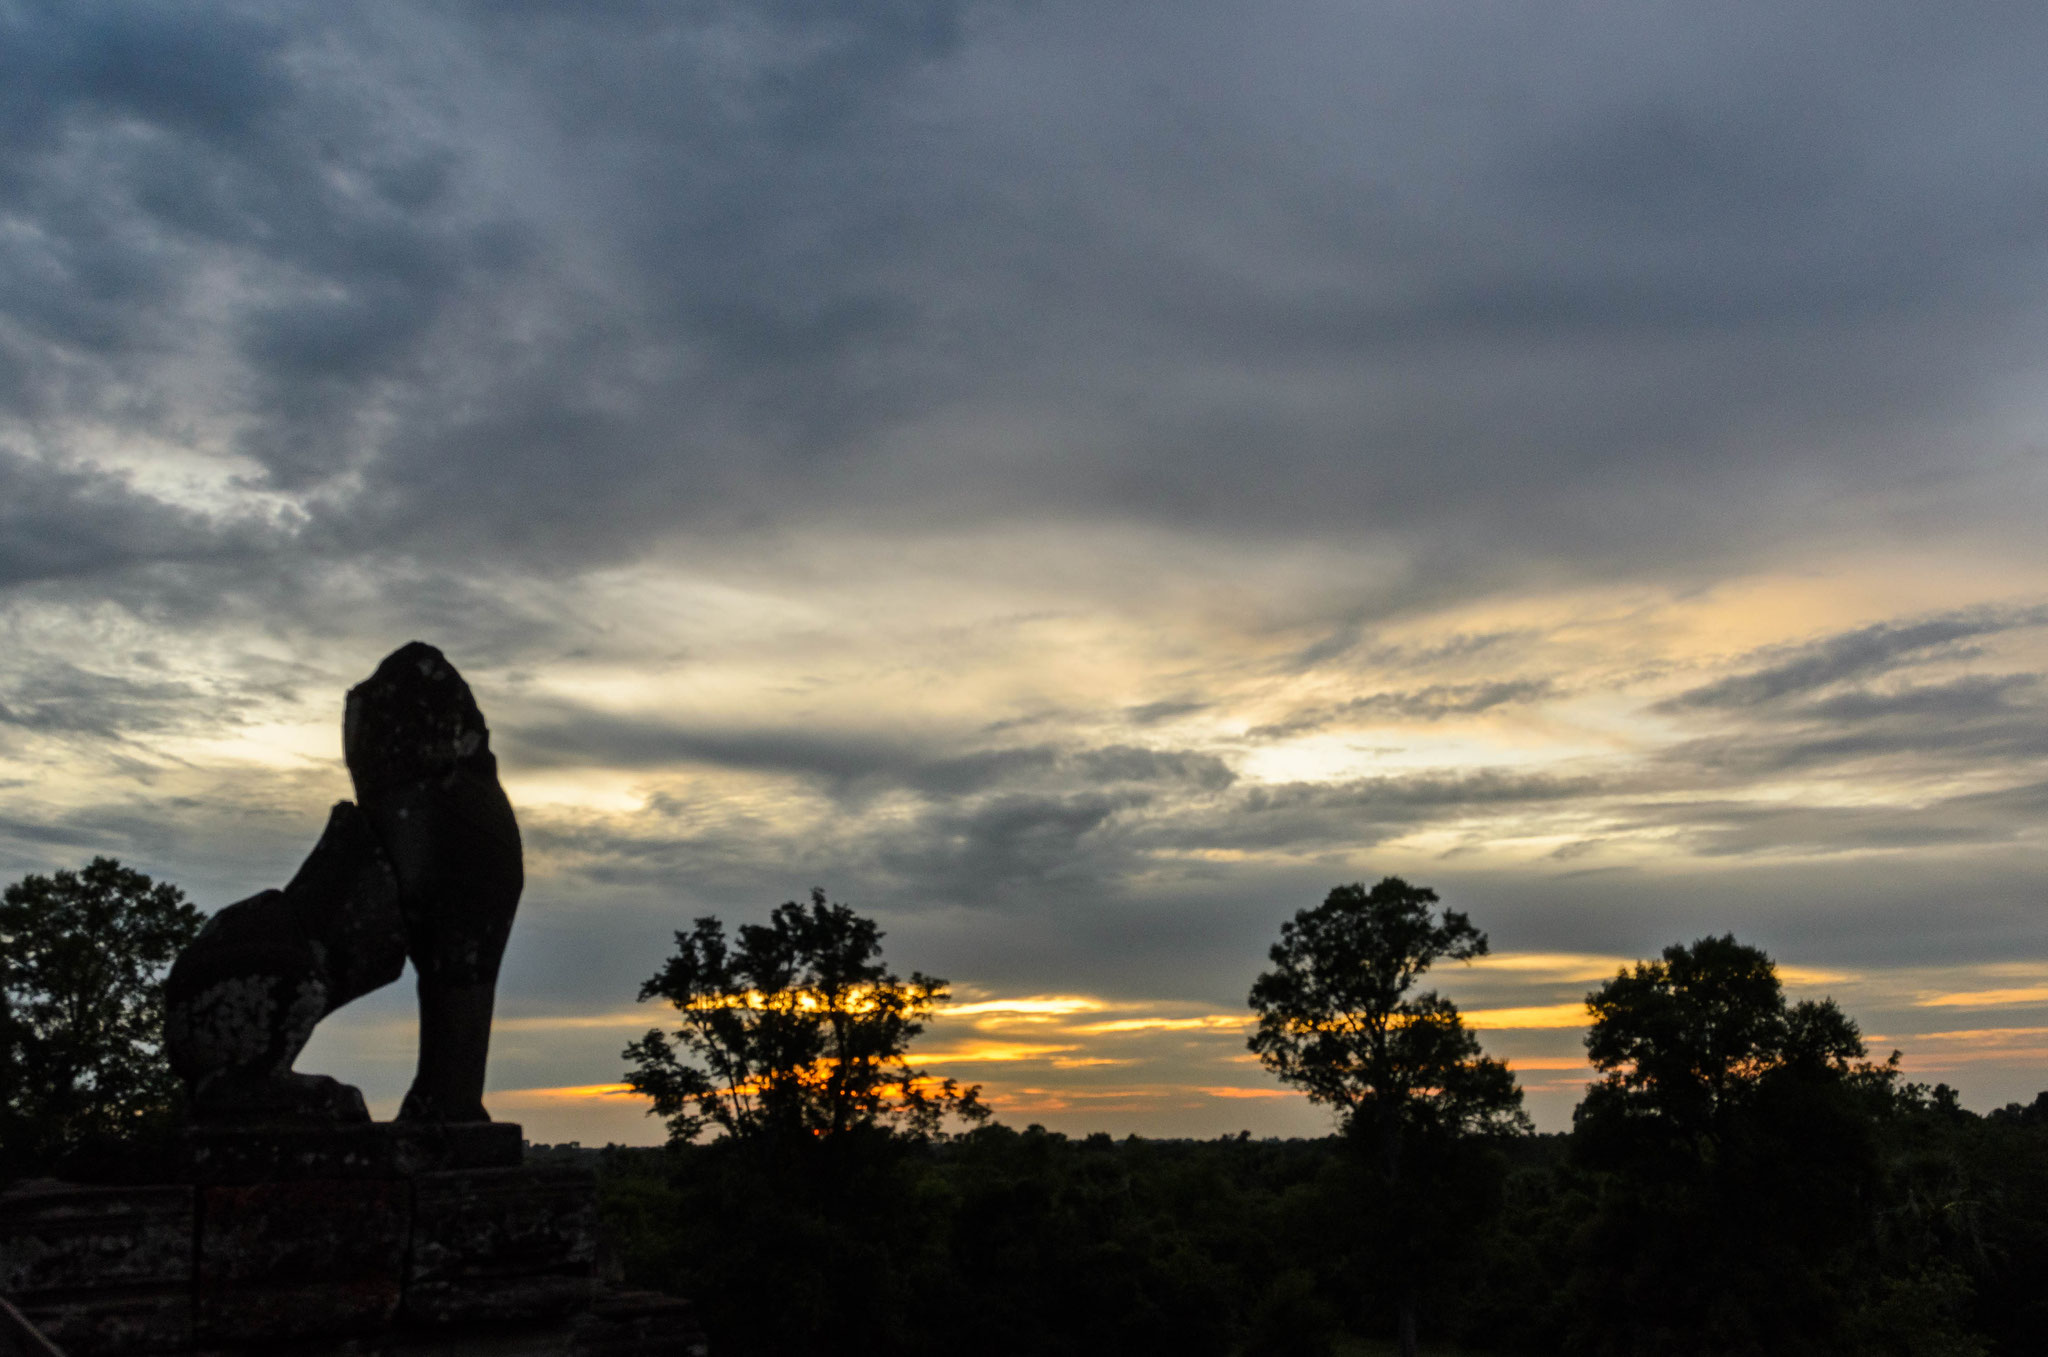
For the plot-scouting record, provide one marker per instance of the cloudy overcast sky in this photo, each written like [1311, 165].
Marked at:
[1074, 480]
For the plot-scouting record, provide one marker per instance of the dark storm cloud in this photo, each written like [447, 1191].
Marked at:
[1977, 725]
[139, 831]
[845, 764]
[588, 739]
[1014, 844]
[59, 523]
[63, 698]
[1963, 699]
[1726, 828]
[981, 828]
[156, 145]
[1036, 839]
[541, 283]
[1366, 811]
[1128, 763]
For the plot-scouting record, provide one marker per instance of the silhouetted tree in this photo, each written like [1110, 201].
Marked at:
[1409, 1082]
[798, 1032]
[82, 960]
[1686, 1044]
[1741, 1139]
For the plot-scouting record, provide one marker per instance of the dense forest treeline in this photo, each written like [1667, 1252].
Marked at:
[1923, 1233]
[1741, 1179]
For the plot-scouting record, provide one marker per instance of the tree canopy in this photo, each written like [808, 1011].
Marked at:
[1742, 1139]
[1337, 1020]
[798, 1031]
[1685, 1042]
[82, 960]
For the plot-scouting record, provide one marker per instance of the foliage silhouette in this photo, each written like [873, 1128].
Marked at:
[1686, 1045]
[1741, 1141]
[1408, 1080]
[1748, 1183]
[1020, 1243]
[799, 1031]
[82, 960]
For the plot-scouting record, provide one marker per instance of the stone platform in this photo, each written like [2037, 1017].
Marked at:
[363, 1239]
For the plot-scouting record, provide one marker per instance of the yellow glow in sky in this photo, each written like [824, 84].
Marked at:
[1987, 998]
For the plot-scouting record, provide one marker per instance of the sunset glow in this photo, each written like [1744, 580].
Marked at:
[1076, 530]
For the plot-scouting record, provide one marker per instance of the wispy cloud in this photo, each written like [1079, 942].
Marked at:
[1860, 654]
[1987, 998]
[1436, 702]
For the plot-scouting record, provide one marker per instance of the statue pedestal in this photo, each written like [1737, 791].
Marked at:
[362, 1239]
[362, 1151]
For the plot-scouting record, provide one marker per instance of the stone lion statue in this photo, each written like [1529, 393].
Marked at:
[425, 864]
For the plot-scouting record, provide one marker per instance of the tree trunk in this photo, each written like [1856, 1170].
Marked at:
[1407, 1319]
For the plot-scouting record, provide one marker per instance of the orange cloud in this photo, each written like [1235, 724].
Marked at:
[1814, 975]
[566, 1093]
[1036, 1005]
[1984, 1035]
[991, 1051]
[1532, 1016]
[1564, 967]
[1986, 998]
[1207, 1022]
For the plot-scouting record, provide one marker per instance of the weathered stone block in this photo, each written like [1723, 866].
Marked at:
[100, 1269]
[496, 1245]
[639, 1324]
[114, 1322]
[62, 1236]
[371, 1150]
[19, 1338]
[293, 1259]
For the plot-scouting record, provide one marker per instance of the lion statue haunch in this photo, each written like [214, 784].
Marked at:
[241, 1001]
[425, 864]
[420, 755]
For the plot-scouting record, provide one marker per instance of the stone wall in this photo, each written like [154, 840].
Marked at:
[342, 1244]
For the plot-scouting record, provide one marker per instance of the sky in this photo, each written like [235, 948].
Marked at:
[1075, 481]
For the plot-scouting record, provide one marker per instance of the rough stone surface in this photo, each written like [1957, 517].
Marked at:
[19, 1338]
[420, 756]
[345, 900]
[246, 994]
[109, 1323]
[640, 1324]
[619, 1324]
[285, 1260]
[497, 1245]
[427, 866]
[263, 1154]
[57, 1236]
[100, 1270]
[493, 1262]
